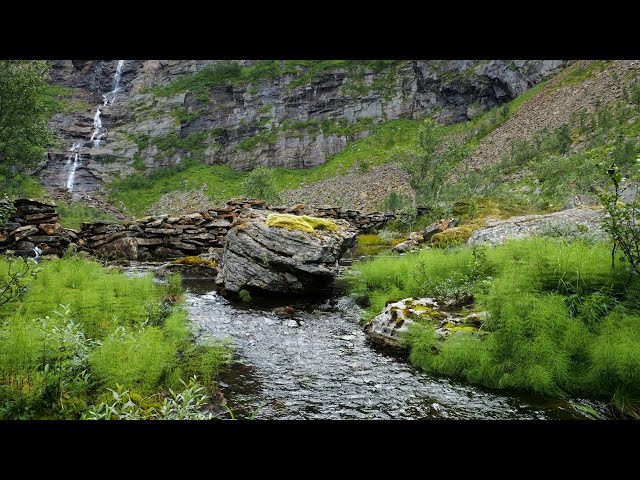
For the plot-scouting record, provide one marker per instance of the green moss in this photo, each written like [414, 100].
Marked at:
[463, 328]
[303, 223]
[451, 237]
[196, 261]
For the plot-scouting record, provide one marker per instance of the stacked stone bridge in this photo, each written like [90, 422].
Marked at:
[154, 237]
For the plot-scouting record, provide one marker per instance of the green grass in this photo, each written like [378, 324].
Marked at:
[578, 73]
[138, 192]
[21, 186]
[561, 321]
[72, 215]
[80, 330]
[58, 99]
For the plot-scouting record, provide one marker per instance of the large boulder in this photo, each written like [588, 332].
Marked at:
[283, 253]
[571, 221]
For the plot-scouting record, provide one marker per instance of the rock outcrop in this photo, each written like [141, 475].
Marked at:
[389, 327]
[571, 221]
[295, 119]
[278, 259]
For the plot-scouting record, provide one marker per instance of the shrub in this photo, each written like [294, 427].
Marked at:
[259, 184]
[623, 221]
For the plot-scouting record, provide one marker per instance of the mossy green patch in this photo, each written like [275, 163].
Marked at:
[196, 261]
[302, 223]
[451, 237]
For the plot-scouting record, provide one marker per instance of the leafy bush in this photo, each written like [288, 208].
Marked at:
[393, 202]
[184, 405]
[623, 221]
[259, 184]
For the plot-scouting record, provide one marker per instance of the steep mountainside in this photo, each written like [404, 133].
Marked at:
[572, 97]
[293, 114]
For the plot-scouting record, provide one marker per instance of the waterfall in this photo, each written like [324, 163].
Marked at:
[98, 132]
[97, 126]
[72, 171]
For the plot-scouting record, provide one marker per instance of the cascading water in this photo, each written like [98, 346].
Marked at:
[98, 131]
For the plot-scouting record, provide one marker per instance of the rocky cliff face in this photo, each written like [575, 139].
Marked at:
[294, 117]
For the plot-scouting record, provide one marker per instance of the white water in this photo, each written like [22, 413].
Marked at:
[72, 171]
[98, 132]
[97, 126]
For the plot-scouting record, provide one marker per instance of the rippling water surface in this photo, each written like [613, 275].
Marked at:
[318, 364]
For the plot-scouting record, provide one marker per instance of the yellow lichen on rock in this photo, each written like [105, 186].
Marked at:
[199, 261]
[302, 223]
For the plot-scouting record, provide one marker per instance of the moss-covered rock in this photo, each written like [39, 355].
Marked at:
[388, 329]
[451, 237]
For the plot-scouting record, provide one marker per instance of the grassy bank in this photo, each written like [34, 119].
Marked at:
[561, 321]
[74, 331]
[73, 214]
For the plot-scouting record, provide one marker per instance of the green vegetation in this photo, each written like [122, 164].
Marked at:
[578, 73]
[59, 99]
[196, 261]
[428, 162]
[73, 214]
[622, 222]
[231, 73]
[302, 223]
[374, 243]
[540, 175]
[24, 116]
[75, 332]
[245, 295]
[138, 191]
[561, 320]
[259, 184]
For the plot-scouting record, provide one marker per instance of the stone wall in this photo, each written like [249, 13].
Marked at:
[34, 223]
[155, 237]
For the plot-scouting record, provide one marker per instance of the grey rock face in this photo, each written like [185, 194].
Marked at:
[580, 219]
[271, 121]
[275, 259]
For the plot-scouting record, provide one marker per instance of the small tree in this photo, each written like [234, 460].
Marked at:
[393, 202]
[428, 163]
[623, 222]
[24, 131]
[260, 184]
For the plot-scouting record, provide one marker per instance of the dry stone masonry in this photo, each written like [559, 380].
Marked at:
[154, 237]
[34, 223]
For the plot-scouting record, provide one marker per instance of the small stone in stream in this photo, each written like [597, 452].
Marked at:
[291, 323]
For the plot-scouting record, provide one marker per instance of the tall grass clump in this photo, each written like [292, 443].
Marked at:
[560, 319]
[78, 332]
